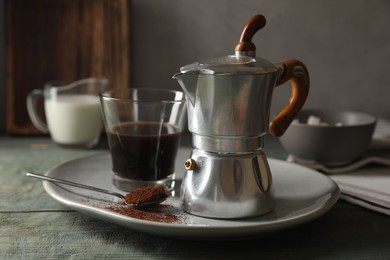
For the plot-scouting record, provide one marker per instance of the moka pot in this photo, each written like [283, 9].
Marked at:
[228, 105]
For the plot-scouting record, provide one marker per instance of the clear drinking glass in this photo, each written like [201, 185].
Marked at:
[143, 128]
[72, 111]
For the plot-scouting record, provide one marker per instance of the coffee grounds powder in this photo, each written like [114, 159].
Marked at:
[146, 195]
[154, 213]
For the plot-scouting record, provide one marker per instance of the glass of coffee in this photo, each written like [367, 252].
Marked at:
[143, 128]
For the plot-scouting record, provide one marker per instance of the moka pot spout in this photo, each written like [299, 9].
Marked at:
[188, 82]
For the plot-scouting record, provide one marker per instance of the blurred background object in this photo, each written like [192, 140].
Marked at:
[60, 39]
[337, 138]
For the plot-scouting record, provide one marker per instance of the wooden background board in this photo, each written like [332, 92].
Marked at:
[61, 39]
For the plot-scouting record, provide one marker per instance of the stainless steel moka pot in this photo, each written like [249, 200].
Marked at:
[228, 104]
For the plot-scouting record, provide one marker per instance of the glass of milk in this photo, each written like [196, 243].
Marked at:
[72, 111]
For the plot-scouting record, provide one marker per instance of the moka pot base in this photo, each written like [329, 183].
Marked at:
[227, 185]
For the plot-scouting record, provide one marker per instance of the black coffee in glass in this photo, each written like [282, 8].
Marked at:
[143, 151]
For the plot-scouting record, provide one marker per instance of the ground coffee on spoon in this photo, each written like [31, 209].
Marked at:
[151, 213]
[146, 195]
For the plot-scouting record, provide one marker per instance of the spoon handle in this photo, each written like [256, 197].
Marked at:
[78, 185]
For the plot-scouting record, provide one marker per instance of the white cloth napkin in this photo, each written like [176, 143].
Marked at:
[365, 182]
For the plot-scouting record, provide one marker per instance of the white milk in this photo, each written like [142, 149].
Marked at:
[73, 119]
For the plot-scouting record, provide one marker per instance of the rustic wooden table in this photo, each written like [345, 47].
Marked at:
[34, 226]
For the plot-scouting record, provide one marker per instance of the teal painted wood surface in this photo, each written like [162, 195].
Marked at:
[34, 226]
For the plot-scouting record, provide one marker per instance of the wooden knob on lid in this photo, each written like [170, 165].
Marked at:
[245, 46]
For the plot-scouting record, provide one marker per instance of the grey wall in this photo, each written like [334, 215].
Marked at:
[345, 44]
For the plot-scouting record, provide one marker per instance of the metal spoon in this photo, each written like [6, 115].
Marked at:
[82, 186]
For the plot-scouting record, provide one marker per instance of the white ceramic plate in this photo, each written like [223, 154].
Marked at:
[301, 195]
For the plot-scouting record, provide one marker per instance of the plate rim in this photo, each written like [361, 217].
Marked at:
[197, 232]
